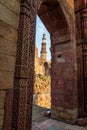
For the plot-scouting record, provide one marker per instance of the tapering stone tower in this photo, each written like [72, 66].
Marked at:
[43, 48]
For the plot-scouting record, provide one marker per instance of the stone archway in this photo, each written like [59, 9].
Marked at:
[60, 22]
[24, 70]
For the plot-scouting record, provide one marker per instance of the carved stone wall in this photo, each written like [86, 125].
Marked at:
[24, 70]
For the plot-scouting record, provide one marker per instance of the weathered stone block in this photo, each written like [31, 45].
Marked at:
[2, 99]
[64, 116]
[8, 32]
[67, 116]
[7, 62]
[6, 80]
[57, 108]
[82, 121]
[9, 17]
[7, 47]
[75, 111]
[13, 5]
[8, 110]
[1, 117]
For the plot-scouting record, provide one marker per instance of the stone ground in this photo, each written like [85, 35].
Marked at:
[40, 122]
[37, 115]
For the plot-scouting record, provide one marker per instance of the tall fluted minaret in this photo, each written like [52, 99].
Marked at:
[43, 48]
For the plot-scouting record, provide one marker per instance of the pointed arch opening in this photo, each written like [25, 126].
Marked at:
[63, 93]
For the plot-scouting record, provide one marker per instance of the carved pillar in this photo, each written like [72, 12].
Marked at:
[24, 69]
[81, 37]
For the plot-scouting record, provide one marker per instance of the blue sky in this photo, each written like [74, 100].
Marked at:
[40, 29]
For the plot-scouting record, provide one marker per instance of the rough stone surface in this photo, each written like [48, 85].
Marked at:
[1, 117]
[51, 124]
[64, 74]
[82, 121]
[38, 112]
[42, 85]
[24, 70]
[2, 99]
[42, 91]
[8, 110]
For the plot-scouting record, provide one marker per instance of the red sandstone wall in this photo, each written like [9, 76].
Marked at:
[81, 37]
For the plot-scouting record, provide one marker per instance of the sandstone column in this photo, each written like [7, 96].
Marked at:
[24, 70]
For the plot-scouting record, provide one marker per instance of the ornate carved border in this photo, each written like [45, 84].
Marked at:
[24, 70]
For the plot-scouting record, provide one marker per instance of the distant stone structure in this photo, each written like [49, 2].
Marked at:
[42, 91]
[42, 65]
[42, 85]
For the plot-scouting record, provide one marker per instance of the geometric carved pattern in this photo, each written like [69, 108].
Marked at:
[24, 70]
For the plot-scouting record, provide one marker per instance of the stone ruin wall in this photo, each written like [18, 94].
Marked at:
[41, 96]
[42, 84]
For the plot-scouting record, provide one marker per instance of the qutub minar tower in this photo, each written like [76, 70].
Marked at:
[42, 65]
[43, 48]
